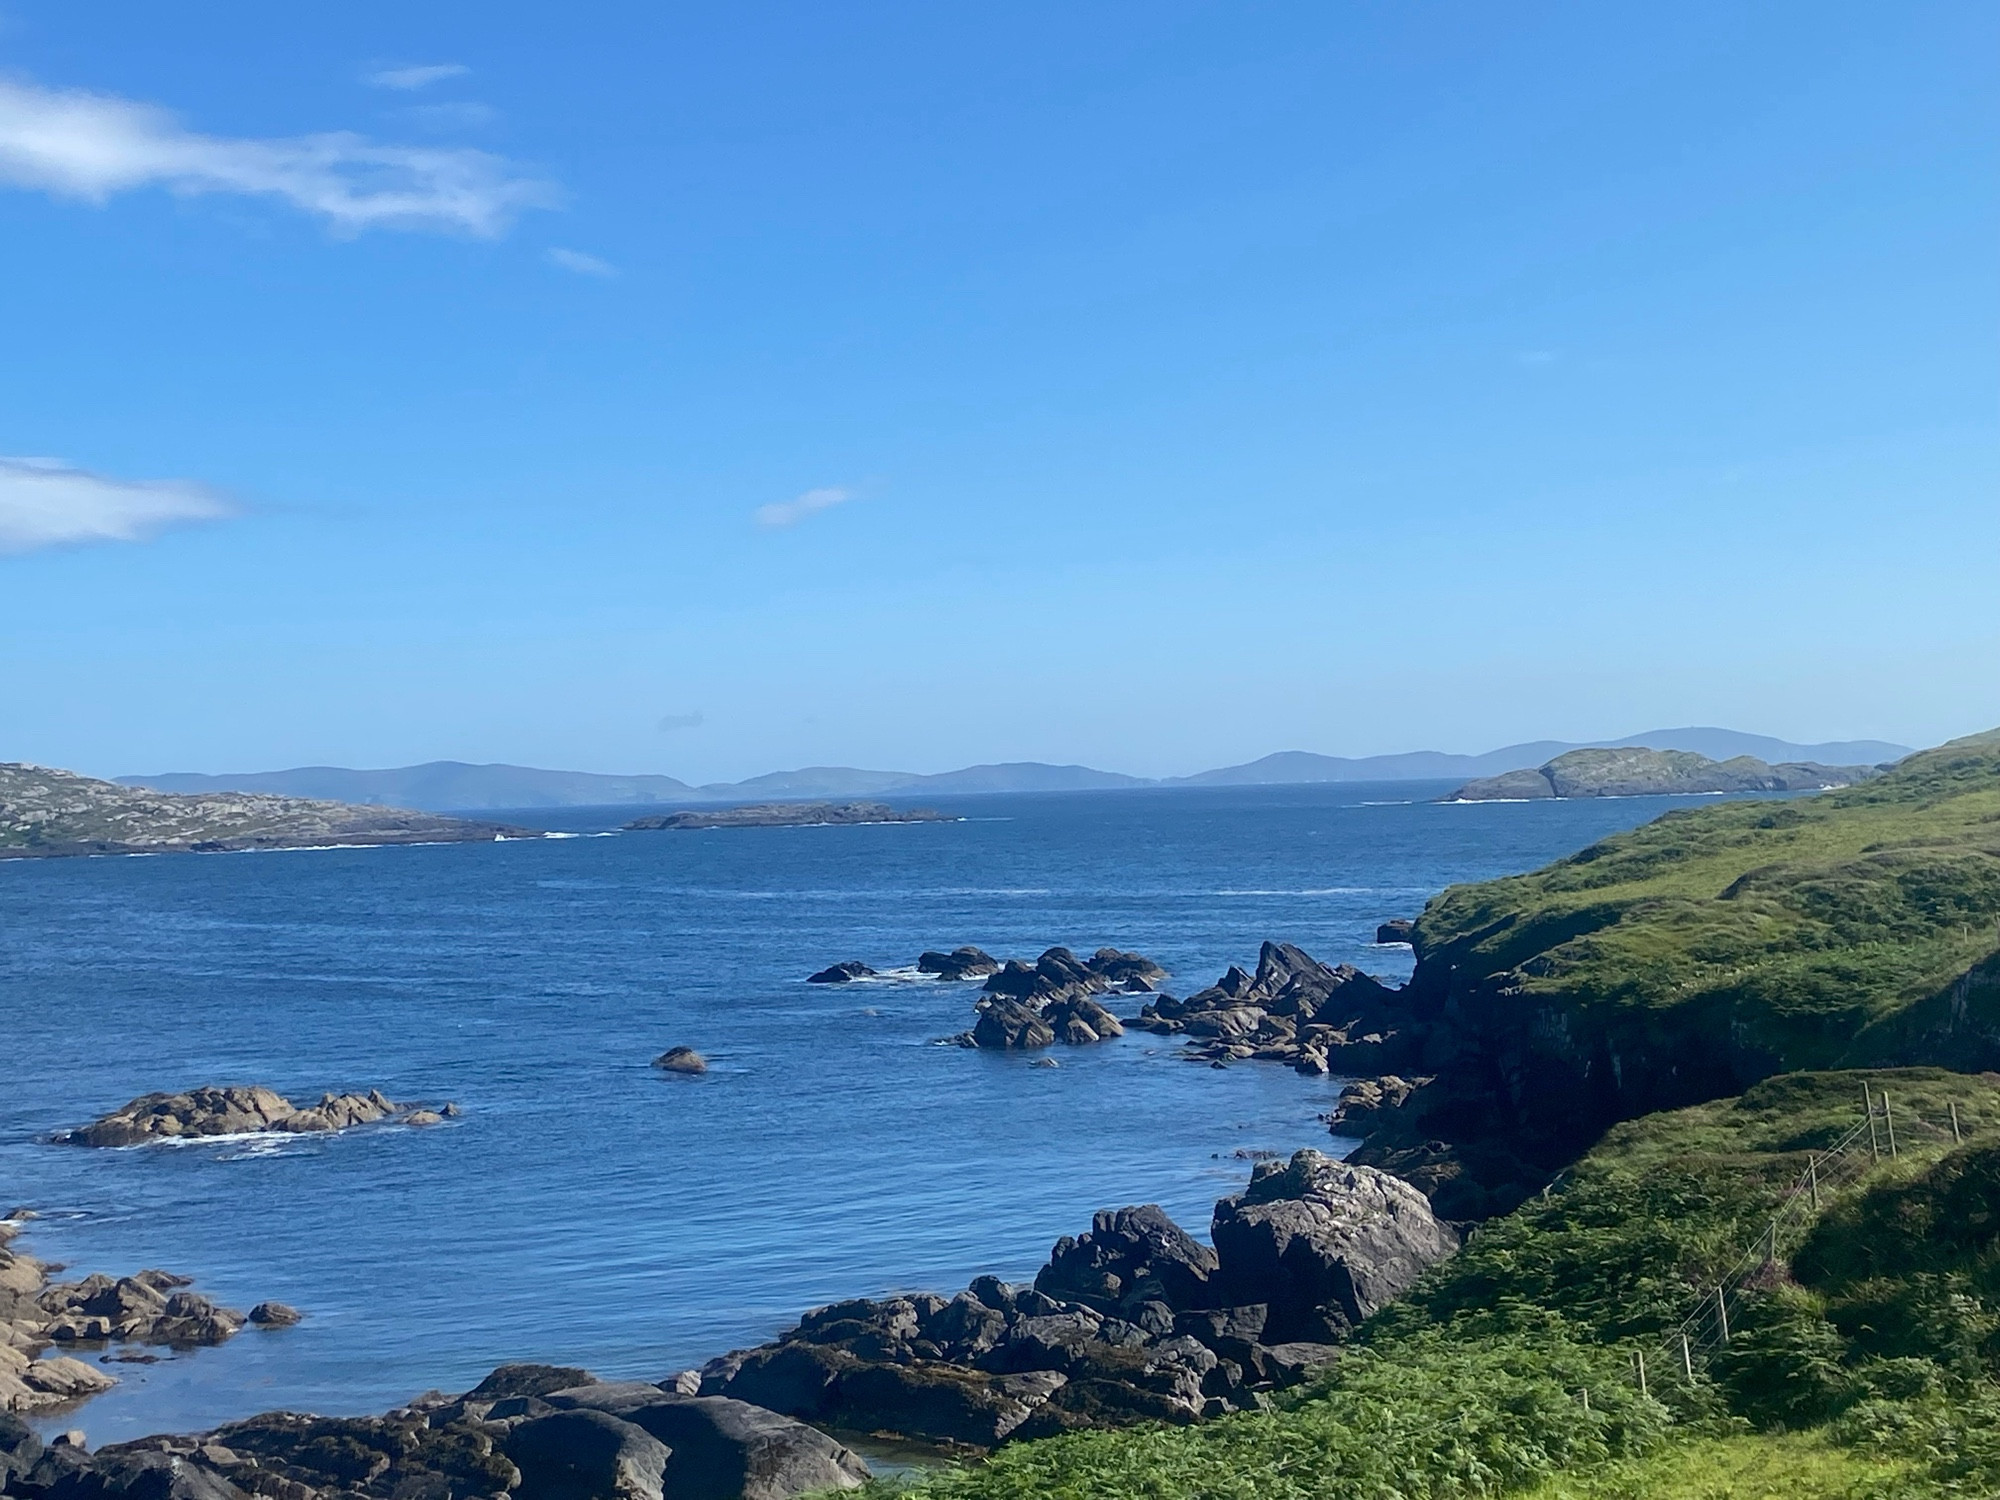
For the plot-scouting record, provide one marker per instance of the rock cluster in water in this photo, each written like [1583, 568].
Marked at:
[151, 1307]
[1293, 1009]
[1054, 999]
[1133, 1321]
[527, 1432]
[213, 1111]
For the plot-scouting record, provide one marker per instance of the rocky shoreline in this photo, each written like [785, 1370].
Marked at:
[1132, 1321]
[44, 1324]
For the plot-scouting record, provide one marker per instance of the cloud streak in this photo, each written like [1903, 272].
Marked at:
[791, 512]
[46, 503]
[582, 264]
[415, 76]
[75, 144]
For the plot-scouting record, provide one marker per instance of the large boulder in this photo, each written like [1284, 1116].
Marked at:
[724, 1449]
[587, 1455]
[842, 973]
[1129, 1256]
[1324, 1244]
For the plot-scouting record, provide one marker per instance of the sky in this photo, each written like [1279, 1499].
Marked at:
[714, 389]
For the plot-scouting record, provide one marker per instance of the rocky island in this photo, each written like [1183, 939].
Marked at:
[792, 815]
[1638, 772]
[212, 1111]
[49, 812]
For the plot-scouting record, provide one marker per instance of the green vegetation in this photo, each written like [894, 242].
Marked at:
[1853, 928]
[1869, 1371]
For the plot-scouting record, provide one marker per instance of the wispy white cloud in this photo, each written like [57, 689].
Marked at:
[811, 503]
[414, 75]
[583, 265]
[672, 722]
[46, 503]
[76, 144]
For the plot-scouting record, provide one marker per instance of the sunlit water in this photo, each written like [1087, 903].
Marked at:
[588, 1209]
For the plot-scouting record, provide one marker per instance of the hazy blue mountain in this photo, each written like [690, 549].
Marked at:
[453, 786]
[1296, 766]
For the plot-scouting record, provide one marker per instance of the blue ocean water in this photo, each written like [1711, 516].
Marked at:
[588, 1209]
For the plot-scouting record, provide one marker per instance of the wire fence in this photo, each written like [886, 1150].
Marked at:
[1881, 1135]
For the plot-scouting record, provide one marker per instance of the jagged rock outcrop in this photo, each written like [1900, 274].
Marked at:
[1025, 1006]
[1133, 1321]
[1293, 1009]
[219, 1111]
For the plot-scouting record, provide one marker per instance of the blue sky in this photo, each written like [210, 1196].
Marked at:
[714, 389]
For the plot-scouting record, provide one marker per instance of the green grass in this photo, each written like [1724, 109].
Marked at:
[1812, 931]
[1473, 1384]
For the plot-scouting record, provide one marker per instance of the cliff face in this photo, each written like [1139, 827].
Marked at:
[1638, 772]
[1688, 959]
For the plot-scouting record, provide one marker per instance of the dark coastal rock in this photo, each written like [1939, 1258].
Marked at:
[145, 1309]
[1128, 1257]
[529, 1380]
[961, 963]
[1133, 1321]
[275, 1315]
[586, 1455]
[1292, 1009]
[1325, 1244]
[842, 973]
[213, 1111]
[140, 1476]
[1397, 930]
[1010, 1025]
[1057, 995]
[681, 1060]
[724, 1449]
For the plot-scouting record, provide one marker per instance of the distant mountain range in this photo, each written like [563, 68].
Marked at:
[454, 786]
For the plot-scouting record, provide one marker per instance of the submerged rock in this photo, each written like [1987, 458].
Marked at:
[681, 1060]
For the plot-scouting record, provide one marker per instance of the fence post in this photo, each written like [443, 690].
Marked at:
[1640, 1356]
[1956, 1138]
[1889, 1121]
[1586, 1400]
[1722, 1312]
[1812, 1177]
[1868, 1103]
[1687, 1358]
[1771, 1244]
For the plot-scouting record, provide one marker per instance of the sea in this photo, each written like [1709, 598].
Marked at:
[586, 1208]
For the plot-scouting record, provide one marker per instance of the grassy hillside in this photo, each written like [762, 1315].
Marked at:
[1809, 931]
[1475, 1383]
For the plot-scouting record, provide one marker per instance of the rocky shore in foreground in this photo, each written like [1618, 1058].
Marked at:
[1132, 1321]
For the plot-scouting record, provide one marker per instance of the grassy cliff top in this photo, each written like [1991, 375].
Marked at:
[1815, 923]
[44, 811]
